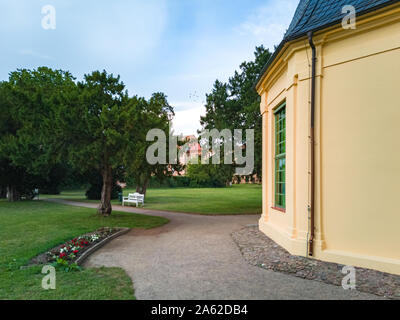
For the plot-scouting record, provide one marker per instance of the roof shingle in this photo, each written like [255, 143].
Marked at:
[313, 15]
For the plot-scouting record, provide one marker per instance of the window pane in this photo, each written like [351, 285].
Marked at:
[280, 163]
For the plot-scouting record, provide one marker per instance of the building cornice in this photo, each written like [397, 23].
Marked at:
[384, 16]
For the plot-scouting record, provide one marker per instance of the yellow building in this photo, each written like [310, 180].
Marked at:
[331, 186]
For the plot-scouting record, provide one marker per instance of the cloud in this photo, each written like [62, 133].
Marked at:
[17, 16]
[187, 117]
[32, 53]
[216, 56]
[126, 31]
[186, 105]
[269, 23]
[177, 47]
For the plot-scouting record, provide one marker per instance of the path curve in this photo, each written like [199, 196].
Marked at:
[194, 257]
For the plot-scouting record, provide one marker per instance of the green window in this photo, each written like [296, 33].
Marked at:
[280, 157]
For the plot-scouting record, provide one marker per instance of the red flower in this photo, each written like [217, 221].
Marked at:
[75, 251]
[62, 255]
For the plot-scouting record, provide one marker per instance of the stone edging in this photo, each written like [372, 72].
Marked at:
[259, 250]
[100, 244]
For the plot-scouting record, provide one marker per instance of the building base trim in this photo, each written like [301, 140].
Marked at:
[382, 264]
[299, 247]
[295, 246]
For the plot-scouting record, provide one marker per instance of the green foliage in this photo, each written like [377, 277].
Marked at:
[168, 182]
[212, 176]
[178, 182]
[96, 185]
[238, 199]
[29, 228]
[28, 106]
[64, 265]
[35, 100]
[52, 183]
[154, 113]
[236, 105]
[107, 132]
[53, 128]
[92, 127]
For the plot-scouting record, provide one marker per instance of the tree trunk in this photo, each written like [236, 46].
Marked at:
[142, 188]
[105, 207]
[12, 194]
[3, 192]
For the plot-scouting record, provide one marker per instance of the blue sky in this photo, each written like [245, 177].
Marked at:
[178, 47]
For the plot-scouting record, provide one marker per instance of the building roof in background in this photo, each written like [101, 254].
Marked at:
[314, 15]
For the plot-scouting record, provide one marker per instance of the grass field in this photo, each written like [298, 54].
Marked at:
[239, 199]
[29, 228]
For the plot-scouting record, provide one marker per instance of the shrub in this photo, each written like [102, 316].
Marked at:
[171, 182]
[94, 192]
[96, 186]
[212, 176]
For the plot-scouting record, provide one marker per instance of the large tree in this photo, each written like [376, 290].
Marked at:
[93, 128]
[9, 174]
[236, 105]
[156, 113]
[103, 129]
[49, 123]
[29, 102]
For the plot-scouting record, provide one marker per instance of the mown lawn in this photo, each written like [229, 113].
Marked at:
[238, 199]
[29, 228]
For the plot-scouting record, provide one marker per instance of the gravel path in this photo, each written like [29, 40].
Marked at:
[259, 250]
[194, 257]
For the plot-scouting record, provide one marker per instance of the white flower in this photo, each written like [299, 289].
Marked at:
[94, 237]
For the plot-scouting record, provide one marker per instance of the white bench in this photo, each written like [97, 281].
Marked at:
[135, 198]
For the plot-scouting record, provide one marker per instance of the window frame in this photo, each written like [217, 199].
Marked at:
[279, 155]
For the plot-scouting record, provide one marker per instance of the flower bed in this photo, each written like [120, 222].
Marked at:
[71, 249]
[66, 255]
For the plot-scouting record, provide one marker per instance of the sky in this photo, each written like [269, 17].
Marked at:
[179, 47]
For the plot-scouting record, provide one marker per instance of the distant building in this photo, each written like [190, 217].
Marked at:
[189, 151]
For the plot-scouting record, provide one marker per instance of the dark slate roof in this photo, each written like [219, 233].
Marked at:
[314, 15]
